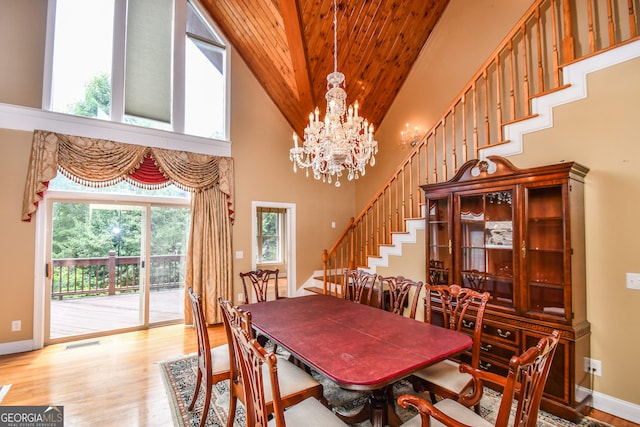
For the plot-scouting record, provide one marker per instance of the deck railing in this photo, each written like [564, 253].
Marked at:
[74, 277]
[528, 63]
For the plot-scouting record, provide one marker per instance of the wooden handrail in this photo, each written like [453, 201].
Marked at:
[109, 275]
[527, 63]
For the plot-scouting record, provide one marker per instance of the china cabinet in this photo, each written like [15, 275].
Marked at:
[519, 235]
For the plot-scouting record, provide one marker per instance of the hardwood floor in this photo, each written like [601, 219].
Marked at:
[114, 380]
[108, 381]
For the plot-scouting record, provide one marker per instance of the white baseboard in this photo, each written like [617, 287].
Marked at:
[614, 406]
[16, 347]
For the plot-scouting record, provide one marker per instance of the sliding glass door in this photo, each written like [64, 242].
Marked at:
[114, 267]
[168, 234]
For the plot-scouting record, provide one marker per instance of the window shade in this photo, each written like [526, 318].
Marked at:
[149, 41]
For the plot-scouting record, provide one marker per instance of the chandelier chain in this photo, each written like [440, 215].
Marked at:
[335, 37]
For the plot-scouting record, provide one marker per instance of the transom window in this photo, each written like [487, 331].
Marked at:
[151, 63]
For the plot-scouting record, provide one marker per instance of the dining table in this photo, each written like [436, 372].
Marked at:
[357, 346]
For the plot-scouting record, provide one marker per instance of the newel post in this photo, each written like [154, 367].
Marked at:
[352, 243]
[325, 260]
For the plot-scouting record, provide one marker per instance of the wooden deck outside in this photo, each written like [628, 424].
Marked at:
[92, 314]
[96, 314]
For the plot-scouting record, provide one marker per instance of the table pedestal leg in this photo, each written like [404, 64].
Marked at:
[379, 409]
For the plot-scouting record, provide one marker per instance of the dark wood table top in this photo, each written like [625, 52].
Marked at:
[357, 346]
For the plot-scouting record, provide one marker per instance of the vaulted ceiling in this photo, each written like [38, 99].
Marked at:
[288, 45]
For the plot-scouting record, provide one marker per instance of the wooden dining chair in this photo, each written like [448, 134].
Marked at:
[360, 286]
[295, 385]
[403, 292]
[261, 376]
[261, 281]
[460, 309]
[213, 364]
[525, 382]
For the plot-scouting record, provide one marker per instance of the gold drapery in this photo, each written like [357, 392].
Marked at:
[207, 263]
[101, 162]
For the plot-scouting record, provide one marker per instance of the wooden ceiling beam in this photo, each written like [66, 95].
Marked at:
[293, 29]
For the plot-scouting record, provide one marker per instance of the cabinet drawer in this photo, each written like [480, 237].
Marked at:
[494, 366]
[503, 333]
[497, 351]
[468, 325]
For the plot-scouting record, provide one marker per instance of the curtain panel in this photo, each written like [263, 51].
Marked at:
[98, 162]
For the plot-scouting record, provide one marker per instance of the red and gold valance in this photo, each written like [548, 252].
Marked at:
[99, 162]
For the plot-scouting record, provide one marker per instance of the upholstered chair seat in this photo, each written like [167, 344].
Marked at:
[291, 378]
[454, 410]
[309, 412]
[447, 375]
[220, 359]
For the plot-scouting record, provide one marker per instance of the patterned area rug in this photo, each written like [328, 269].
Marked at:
[180, 373]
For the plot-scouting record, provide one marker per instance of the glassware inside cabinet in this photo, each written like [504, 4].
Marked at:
[486, 224]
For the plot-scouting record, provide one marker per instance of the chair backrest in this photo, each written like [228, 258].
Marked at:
[438, 273]
[525, 381]
[459, 307]
[400, 291]
[232, 318]
[359, 286]
[474, 279]
[204, 348]
[260, 280]
[252, 356]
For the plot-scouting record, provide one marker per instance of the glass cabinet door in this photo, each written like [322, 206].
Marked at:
[486, 244]
[439, 251]
[545, 263]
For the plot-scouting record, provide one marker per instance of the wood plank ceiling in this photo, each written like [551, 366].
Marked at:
[288, 45]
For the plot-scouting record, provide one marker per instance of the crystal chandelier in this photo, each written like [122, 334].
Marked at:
[344, 140]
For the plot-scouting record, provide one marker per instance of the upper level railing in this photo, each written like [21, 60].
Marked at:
[528, 63]
[73, 277]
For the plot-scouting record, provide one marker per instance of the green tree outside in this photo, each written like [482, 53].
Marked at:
[97, 98]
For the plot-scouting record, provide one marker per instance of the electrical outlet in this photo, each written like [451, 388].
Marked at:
[593, 366]
[633, 280]
[16, 325]
[240, 298]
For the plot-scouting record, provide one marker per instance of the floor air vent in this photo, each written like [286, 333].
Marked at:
[82, 344]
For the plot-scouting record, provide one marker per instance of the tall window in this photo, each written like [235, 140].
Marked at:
[151, 63]
[270, 234]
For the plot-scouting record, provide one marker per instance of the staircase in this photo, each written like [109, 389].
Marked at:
[537, 66]
[335, 280]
